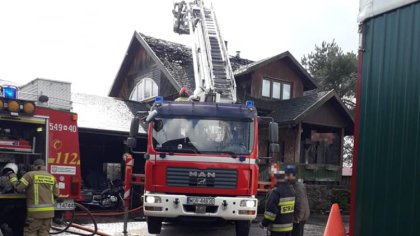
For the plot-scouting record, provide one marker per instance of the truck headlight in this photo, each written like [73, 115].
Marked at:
[153, 199]
[248, 203]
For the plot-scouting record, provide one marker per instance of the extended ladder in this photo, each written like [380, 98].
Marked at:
[212, 70]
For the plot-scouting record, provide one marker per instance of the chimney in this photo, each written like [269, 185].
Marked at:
[226, 45]
[238, 54]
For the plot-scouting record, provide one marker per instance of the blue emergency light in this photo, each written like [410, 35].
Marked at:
[249, 103]
[159, 99]
[9, 92]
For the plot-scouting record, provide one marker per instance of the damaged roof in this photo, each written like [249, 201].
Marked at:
[174, 59]
[105, 113]
[177, 58]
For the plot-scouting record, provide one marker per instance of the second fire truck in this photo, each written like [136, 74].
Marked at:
[29, 132]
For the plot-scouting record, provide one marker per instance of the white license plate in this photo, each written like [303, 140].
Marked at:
[200, 200]
[64, 206]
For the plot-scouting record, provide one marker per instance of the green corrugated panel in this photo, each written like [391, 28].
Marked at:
[388, 169]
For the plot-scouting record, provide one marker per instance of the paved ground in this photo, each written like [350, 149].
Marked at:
[114, 226]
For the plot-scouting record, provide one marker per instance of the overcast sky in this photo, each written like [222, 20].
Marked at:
[84, 41]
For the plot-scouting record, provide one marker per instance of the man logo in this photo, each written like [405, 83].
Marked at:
[202, 174]
[202, 178]
[201, 181]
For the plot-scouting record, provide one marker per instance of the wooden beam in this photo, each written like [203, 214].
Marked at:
[341, 146]
[298, 141]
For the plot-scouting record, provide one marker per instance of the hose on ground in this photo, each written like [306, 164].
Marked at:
[109, 213]
[71, 224]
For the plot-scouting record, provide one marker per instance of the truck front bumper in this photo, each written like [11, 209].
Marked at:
[228, 208]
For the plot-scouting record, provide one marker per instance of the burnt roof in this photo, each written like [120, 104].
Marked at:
[174, 59]
[177, 58]
[105, 113]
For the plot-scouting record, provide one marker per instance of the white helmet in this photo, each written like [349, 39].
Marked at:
[10, 166]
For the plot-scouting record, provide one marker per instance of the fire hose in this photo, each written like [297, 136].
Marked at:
[129, 161]
[109, 213]
[91, 215]
[71, 224]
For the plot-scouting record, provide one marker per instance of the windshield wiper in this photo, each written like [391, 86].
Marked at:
[175, 149]
[233, 154]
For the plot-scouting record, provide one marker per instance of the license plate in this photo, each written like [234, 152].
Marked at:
[64, 206]
[200, 209]
[201, 200]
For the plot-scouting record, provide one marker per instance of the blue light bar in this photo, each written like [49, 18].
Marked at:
[249, 103]
[159, 99]
[9, 92]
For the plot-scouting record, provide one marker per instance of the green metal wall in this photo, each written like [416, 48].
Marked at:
[388, 156]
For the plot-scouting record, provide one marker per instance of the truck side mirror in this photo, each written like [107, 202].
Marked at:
[273, 133]
[274, 148]
[134, 129]
[131, 142]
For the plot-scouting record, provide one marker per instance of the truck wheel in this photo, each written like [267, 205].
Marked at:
[154, 225]
[242, 227]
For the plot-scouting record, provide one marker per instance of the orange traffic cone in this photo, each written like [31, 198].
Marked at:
[335, 226]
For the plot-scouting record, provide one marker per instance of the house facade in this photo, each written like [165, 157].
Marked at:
[312, 124]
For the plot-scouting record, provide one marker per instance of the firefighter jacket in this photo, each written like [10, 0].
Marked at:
[182, 99]
[278, 215]
[40, 188]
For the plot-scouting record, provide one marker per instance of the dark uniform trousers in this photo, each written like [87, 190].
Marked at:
[298, 228]
[37, 227]
[278, 215]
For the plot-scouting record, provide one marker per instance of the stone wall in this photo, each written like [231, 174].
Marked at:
[321, 197]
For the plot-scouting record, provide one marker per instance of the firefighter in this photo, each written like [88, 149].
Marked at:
[302, 211]
[6, 183]
[278, 215]
[41, 189]
[184, 95]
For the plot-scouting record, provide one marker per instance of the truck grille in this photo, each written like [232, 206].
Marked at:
[208, 178]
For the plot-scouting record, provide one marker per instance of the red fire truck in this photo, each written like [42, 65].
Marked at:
[29, 132]
[202, 154]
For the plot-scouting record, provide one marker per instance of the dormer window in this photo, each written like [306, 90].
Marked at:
[276, 89]
[145, 89]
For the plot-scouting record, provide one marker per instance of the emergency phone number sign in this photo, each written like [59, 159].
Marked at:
[62, 127]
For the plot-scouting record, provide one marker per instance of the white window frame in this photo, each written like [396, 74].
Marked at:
[271, 87]
[139, 90]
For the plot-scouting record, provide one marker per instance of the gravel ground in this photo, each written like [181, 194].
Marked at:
[114, 226]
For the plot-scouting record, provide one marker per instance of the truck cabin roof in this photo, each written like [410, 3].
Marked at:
[205, 110]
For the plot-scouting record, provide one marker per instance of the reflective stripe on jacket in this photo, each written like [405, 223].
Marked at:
[278, 215]
[182, 99]
[40, 188]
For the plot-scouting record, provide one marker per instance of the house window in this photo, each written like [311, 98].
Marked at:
[266, 88]
[276, 89]
[145, 89]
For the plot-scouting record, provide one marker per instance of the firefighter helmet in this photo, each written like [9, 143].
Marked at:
[183, 90]
[39, 162]
[10, 167]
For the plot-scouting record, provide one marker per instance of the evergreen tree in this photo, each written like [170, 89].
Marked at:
[333, 69]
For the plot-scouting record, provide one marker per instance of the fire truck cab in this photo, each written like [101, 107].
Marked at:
[201, 162]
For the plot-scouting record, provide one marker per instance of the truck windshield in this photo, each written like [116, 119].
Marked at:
[203, 136]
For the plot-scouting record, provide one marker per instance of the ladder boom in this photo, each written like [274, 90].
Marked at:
[212, 70]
